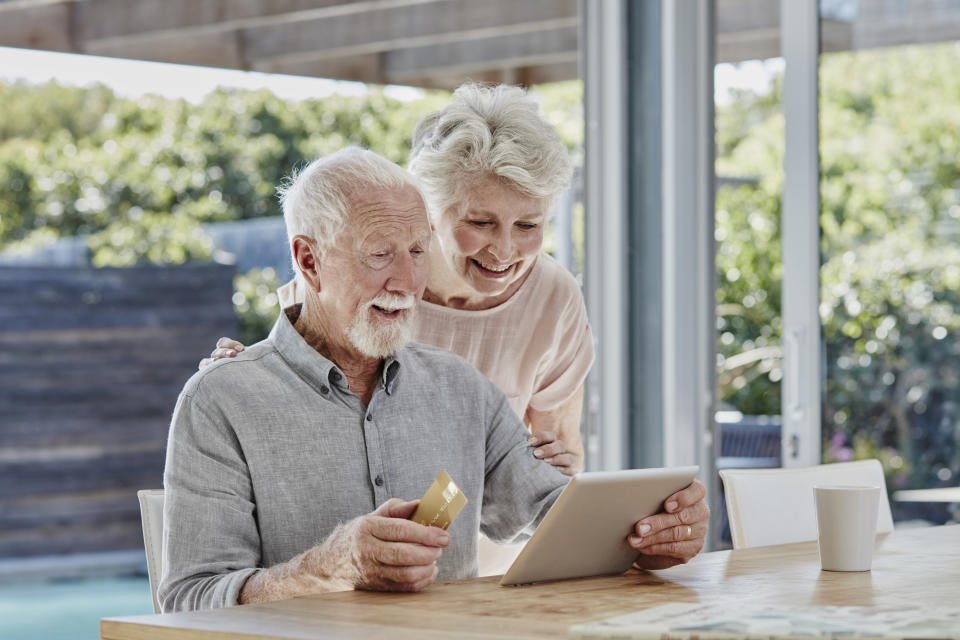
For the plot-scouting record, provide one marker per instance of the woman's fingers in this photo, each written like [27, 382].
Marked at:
[226, 348]
[230, 343]
[564, 463]
[550, 450]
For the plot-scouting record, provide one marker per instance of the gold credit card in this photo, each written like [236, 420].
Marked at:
[440, 504]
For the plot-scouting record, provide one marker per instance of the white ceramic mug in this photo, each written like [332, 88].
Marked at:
[847, 522]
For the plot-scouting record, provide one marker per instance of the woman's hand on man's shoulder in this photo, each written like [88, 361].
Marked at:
[226, 348]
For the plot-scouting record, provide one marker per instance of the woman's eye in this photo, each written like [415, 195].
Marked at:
[480, 223]
[526, 226]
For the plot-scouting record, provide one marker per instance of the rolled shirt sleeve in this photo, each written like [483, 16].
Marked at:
[518, 488]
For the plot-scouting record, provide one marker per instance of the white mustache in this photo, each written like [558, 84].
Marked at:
[392, 302]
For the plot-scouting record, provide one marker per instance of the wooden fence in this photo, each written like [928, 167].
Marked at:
[91, 362]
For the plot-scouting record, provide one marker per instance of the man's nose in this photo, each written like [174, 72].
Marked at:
[408, 276]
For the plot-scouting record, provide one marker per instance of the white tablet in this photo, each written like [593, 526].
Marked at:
[585, 532]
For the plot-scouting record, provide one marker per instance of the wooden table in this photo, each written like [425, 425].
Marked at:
[912, 565]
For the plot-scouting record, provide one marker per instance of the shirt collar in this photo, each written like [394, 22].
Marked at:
[317, 370]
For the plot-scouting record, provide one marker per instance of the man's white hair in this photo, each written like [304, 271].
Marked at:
[487, 132]
[316, 201]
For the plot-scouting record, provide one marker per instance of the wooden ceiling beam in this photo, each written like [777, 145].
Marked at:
[537, 74]
[117, 19]
[392, 27]
[37, 25]
[518, 55]
[424, 42]
[521, 48]
[113, 22]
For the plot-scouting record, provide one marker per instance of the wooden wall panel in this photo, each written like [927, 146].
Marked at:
[91, 363]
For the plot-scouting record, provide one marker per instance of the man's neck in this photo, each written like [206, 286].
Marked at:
[362, 372]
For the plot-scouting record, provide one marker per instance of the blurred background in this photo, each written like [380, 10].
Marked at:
[139, 223]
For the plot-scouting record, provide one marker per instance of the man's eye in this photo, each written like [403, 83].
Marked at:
[526, 226]
[481, 223]
[378, 259]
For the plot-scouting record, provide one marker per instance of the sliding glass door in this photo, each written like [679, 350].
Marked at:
[890, 222]
[837, 220]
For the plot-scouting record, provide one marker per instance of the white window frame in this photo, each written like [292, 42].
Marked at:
[605, 282]
[800, 231]
[686, 379]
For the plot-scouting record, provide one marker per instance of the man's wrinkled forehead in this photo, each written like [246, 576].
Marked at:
[400, 208]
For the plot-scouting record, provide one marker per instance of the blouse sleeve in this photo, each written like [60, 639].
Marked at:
[566, 362]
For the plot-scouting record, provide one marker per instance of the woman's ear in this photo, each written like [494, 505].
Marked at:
[307, 258]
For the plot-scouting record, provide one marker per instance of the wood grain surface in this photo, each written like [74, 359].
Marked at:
[912, 565]
[91, 363]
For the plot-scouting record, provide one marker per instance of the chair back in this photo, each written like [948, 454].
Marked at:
[776, 506]
[151, 517]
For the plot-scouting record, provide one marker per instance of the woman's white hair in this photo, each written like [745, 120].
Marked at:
[316, 200]
[484, 132]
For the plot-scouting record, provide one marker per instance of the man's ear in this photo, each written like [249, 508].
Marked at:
[307, 258]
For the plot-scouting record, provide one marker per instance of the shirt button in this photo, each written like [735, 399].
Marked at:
[378, 481]
[324, 390]
[369, 417]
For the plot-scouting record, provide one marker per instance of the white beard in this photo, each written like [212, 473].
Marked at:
[378, 338]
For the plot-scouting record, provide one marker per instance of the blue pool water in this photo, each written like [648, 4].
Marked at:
[69, 609]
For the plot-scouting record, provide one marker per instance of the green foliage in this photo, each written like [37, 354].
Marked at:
[561, 104]
[890, 322]
[107, 162]
[890, 215]
[140, 177]
[158, 238]
[255, 302]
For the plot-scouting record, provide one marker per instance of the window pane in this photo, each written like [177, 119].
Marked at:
[749, 165]
[890, 218]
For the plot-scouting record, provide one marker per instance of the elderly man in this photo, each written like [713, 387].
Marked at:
[291, 468]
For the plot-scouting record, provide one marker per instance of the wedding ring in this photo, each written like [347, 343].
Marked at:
[689, 532]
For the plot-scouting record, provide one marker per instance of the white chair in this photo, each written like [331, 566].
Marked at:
[776, 506]
[151, 517]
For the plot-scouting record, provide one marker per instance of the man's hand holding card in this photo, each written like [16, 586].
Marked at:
[394, 548]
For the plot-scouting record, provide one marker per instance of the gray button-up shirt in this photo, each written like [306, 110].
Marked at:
[269, 451]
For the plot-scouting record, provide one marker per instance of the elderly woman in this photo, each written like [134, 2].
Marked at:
[490, 167]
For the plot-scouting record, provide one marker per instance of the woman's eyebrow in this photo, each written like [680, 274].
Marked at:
[490, 212]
